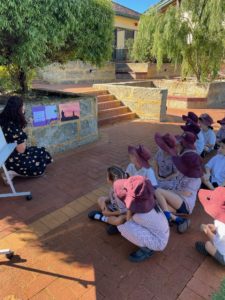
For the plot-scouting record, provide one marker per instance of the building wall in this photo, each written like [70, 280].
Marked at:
[127, 23]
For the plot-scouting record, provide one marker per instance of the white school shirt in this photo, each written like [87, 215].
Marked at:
[209, 138]
[217, 168]
[219, 239]
[221, 134]
[200, 143]
[148, 173]
[190, 185]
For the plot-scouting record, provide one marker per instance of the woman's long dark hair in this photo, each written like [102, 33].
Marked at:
[13, 112]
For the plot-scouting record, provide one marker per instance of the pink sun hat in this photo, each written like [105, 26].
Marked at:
[214, 202]
[166, 142]
[136, 192]
[142, 154]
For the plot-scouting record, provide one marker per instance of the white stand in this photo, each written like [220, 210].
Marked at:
[5, 152]
[7, 252]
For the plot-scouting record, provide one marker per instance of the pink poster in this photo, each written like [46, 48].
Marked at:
[69, 111]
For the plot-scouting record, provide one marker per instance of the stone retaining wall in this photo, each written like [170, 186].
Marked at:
[149, 103]
[216, 95]
[183, 88]
[60, 136]
[214, 92]
[76, 72]
[149, 69]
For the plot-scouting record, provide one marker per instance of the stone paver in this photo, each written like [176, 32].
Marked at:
[67, 256]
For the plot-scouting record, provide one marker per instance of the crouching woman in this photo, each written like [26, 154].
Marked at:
[146, 225]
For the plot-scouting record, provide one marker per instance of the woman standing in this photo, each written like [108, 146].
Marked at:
[24, 161]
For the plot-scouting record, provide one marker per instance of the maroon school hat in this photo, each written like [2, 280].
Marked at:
[221, 122]
[192, 116]
[206, 119]
[136, 192]
[189, 164]
[166, 142]
[142, 154]
[191, 127]
[187, 140]
[214, 202]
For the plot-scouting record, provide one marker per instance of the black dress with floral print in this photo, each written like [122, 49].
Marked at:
[33, 161]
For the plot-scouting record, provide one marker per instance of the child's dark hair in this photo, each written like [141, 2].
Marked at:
[115, 173]
[223, 141]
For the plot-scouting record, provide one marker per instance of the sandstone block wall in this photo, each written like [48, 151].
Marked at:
[149, 103]
[60, 136]
[76, 72]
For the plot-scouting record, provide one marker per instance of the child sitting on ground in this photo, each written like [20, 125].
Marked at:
[181, 199]
[190, 116]
[187, 142]
[164, 167]
[221, 133]
[139, 158]
[113, 210]
[215, 170]
[213, 203]
[146, 226]
[206, 122]
[194, 128]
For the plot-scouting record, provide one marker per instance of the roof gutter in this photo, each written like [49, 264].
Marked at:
[127, 16]
[163, 4]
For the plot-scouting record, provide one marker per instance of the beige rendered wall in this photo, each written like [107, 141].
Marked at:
[120, 39]
[126, 23]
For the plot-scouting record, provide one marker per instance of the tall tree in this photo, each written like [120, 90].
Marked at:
[191, 35]
[143, 43]
[36, 33]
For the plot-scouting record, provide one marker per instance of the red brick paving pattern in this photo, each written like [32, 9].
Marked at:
[78, 260]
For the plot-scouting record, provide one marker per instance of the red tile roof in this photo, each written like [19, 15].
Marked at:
[121, 10]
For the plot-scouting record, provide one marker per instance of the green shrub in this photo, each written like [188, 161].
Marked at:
[221, 293]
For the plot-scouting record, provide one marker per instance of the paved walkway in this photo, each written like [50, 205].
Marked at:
[66, 256]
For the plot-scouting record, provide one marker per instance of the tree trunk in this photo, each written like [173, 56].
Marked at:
[178, 2]
[22, 78]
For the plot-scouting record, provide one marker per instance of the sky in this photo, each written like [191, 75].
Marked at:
[138, 5]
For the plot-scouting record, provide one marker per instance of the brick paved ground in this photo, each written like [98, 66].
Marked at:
[66, 256]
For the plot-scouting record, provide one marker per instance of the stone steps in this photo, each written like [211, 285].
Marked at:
[104, 98]
[111, 112]
[109, 104]
[118, 118]
[132, 75]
